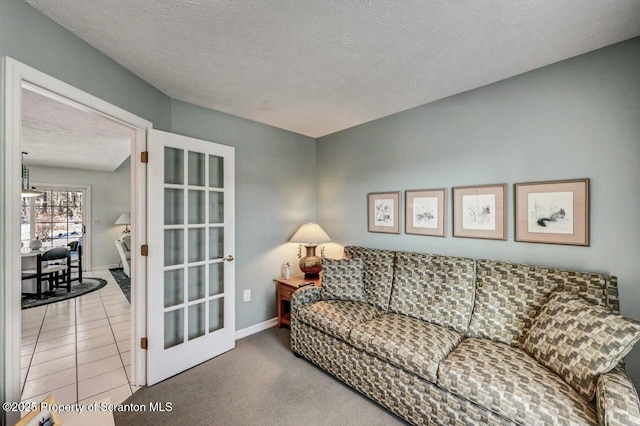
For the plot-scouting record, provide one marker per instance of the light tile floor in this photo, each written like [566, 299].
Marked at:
[78, 349]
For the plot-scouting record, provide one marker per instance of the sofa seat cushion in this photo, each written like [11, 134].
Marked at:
[337, 317]
[414, 345]
[509, 382]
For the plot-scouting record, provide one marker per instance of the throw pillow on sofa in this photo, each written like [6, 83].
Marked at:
[342, 279]
[579, 341]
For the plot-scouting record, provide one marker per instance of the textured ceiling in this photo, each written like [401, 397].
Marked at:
[57, 134]
[317, 67]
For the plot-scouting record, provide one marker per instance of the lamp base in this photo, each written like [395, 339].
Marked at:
[311, 264]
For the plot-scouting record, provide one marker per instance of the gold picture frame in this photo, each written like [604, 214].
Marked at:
[426, 212]
[552, 212]
[383, 211]
[480, 211]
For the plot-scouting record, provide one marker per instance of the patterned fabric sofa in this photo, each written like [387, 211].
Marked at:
[448, 340]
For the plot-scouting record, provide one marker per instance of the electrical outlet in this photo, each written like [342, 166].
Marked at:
[246, 296]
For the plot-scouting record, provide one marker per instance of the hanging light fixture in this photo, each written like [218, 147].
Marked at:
[26, 190]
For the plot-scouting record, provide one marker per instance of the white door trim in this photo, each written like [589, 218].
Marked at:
[15, 74]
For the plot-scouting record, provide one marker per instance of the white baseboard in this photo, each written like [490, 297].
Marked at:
[257, 328]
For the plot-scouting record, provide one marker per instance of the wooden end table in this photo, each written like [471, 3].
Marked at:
[285, 288]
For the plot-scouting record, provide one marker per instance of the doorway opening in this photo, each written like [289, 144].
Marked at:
[21, 79]
[76, 341]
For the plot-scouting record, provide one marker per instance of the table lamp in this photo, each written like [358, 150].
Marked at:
[124, 219]
[310, 235]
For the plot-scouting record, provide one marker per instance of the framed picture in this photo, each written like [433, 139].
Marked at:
[384, 212]
[426, 212]
[480, 211]
[555, 212]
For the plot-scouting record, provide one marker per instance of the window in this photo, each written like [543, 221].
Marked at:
[56, 217]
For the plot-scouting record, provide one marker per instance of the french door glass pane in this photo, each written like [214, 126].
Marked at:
[173, 247]
[59, 234]
[196, 207]
[173, 328]
[60, 213]
[189, 178]
[196, 320]
[173, 287]
[216, 243]
[43, 214]
[216, 171]
[216, 278]
[173, 206]
[76, 199]
[216, 314]
[196, 283]
[196, 169]
[196, 245]
[43, 199]
[173, 166]
[216, 207]
[59, 198]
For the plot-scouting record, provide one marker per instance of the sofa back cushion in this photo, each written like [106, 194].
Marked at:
[509, 296]
[433, 288]
[342, 279]
[378, 273]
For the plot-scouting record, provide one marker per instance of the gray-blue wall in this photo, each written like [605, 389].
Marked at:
[575, 119]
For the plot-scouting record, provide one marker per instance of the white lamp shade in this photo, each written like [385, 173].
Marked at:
[124, 219]
[310, 233]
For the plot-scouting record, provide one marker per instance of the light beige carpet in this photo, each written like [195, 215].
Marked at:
[259, 383]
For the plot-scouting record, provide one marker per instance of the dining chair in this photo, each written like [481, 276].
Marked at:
[76, 258]
[123, 245]
[54, 265]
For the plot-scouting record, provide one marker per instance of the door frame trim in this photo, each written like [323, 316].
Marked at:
[15, 73]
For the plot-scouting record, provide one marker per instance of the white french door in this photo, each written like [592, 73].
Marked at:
[191, 235]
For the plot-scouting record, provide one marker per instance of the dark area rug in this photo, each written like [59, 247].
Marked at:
[123, 281]
[87, 285]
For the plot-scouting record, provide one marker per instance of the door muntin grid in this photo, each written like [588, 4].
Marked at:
[193, 245]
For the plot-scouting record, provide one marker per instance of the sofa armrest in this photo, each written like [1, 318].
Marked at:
[304, 296]
[616, 399]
